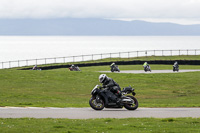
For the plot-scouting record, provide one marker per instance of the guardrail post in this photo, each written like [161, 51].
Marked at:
[92, 56]
[101, 56]
[137, 53]
[195, 51]
[154, 52]
[82, 58]
[179, 52]
[110, 55]
[171, 52]
[187, 51]
[55, 60]
[73, 58]
[18, 63]
[2, 65]
[36, 61]
[9, 65]
[119, 55]
[26, 62]
[128, 55]
[64, 59]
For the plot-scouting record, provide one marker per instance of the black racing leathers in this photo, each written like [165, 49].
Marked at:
[112, 86]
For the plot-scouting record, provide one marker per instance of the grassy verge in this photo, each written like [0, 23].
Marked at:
[143, 125]
[62, 88]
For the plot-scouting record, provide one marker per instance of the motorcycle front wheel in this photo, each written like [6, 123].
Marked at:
[96, 106]
[132, 106]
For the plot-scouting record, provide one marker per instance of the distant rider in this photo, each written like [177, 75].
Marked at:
[35, 67]
[73, 67]
[110, 84]
[176, 64]
[112, 65]
[146, 65]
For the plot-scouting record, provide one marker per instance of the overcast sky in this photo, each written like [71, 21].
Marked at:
[178, 11]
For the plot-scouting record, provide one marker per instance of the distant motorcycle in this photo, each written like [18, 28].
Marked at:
[75, 68]
[114, 68]
[175, 68]
[36, 68]
[147, 68]
[102, 97]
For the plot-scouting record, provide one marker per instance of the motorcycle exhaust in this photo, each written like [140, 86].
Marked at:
[127, 100]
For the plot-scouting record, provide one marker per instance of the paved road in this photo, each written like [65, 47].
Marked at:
[153, 71]
[86, 113]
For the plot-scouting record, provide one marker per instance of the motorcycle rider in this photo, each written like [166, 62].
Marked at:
[111, 85]
[35, 67]
[112, 65]
[176, 64]
[73, 67]
[146, 65]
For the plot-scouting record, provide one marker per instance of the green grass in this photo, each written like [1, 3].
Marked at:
[62, 88]
[130, 125]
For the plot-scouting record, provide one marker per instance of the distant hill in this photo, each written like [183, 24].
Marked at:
[97, 27]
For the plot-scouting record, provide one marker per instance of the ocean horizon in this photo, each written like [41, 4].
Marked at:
[36, 47]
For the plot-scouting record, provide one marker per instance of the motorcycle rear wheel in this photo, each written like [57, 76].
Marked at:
[133, 106]
[96, 106]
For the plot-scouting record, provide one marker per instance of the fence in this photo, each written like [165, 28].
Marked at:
[79, 58]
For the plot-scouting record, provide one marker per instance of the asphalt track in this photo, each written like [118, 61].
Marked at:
[153, 71]
[89, 113]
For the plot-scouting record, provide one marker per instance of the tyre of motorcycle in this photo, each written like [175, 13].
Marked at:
[96, 106]
[132, 106]
[145, 69]
[118, 69]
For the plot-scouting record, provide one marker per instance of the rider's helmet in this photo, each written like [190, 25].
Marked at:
[103, 78]
[72, 65]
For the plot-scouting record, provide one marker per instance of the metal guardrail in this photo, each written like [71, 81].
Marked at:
[79, 58]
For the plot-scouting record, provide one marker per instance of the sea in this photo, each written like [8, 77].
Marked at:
[13, 48]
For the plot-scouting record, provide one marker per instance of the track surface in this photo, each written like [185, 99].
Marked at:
[153, 71]
[87, 113]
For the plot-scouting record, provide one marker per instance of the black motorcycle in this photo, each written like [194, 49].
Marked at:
[175, 68]
[103, 97]
[114, 68]
[147, 68]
